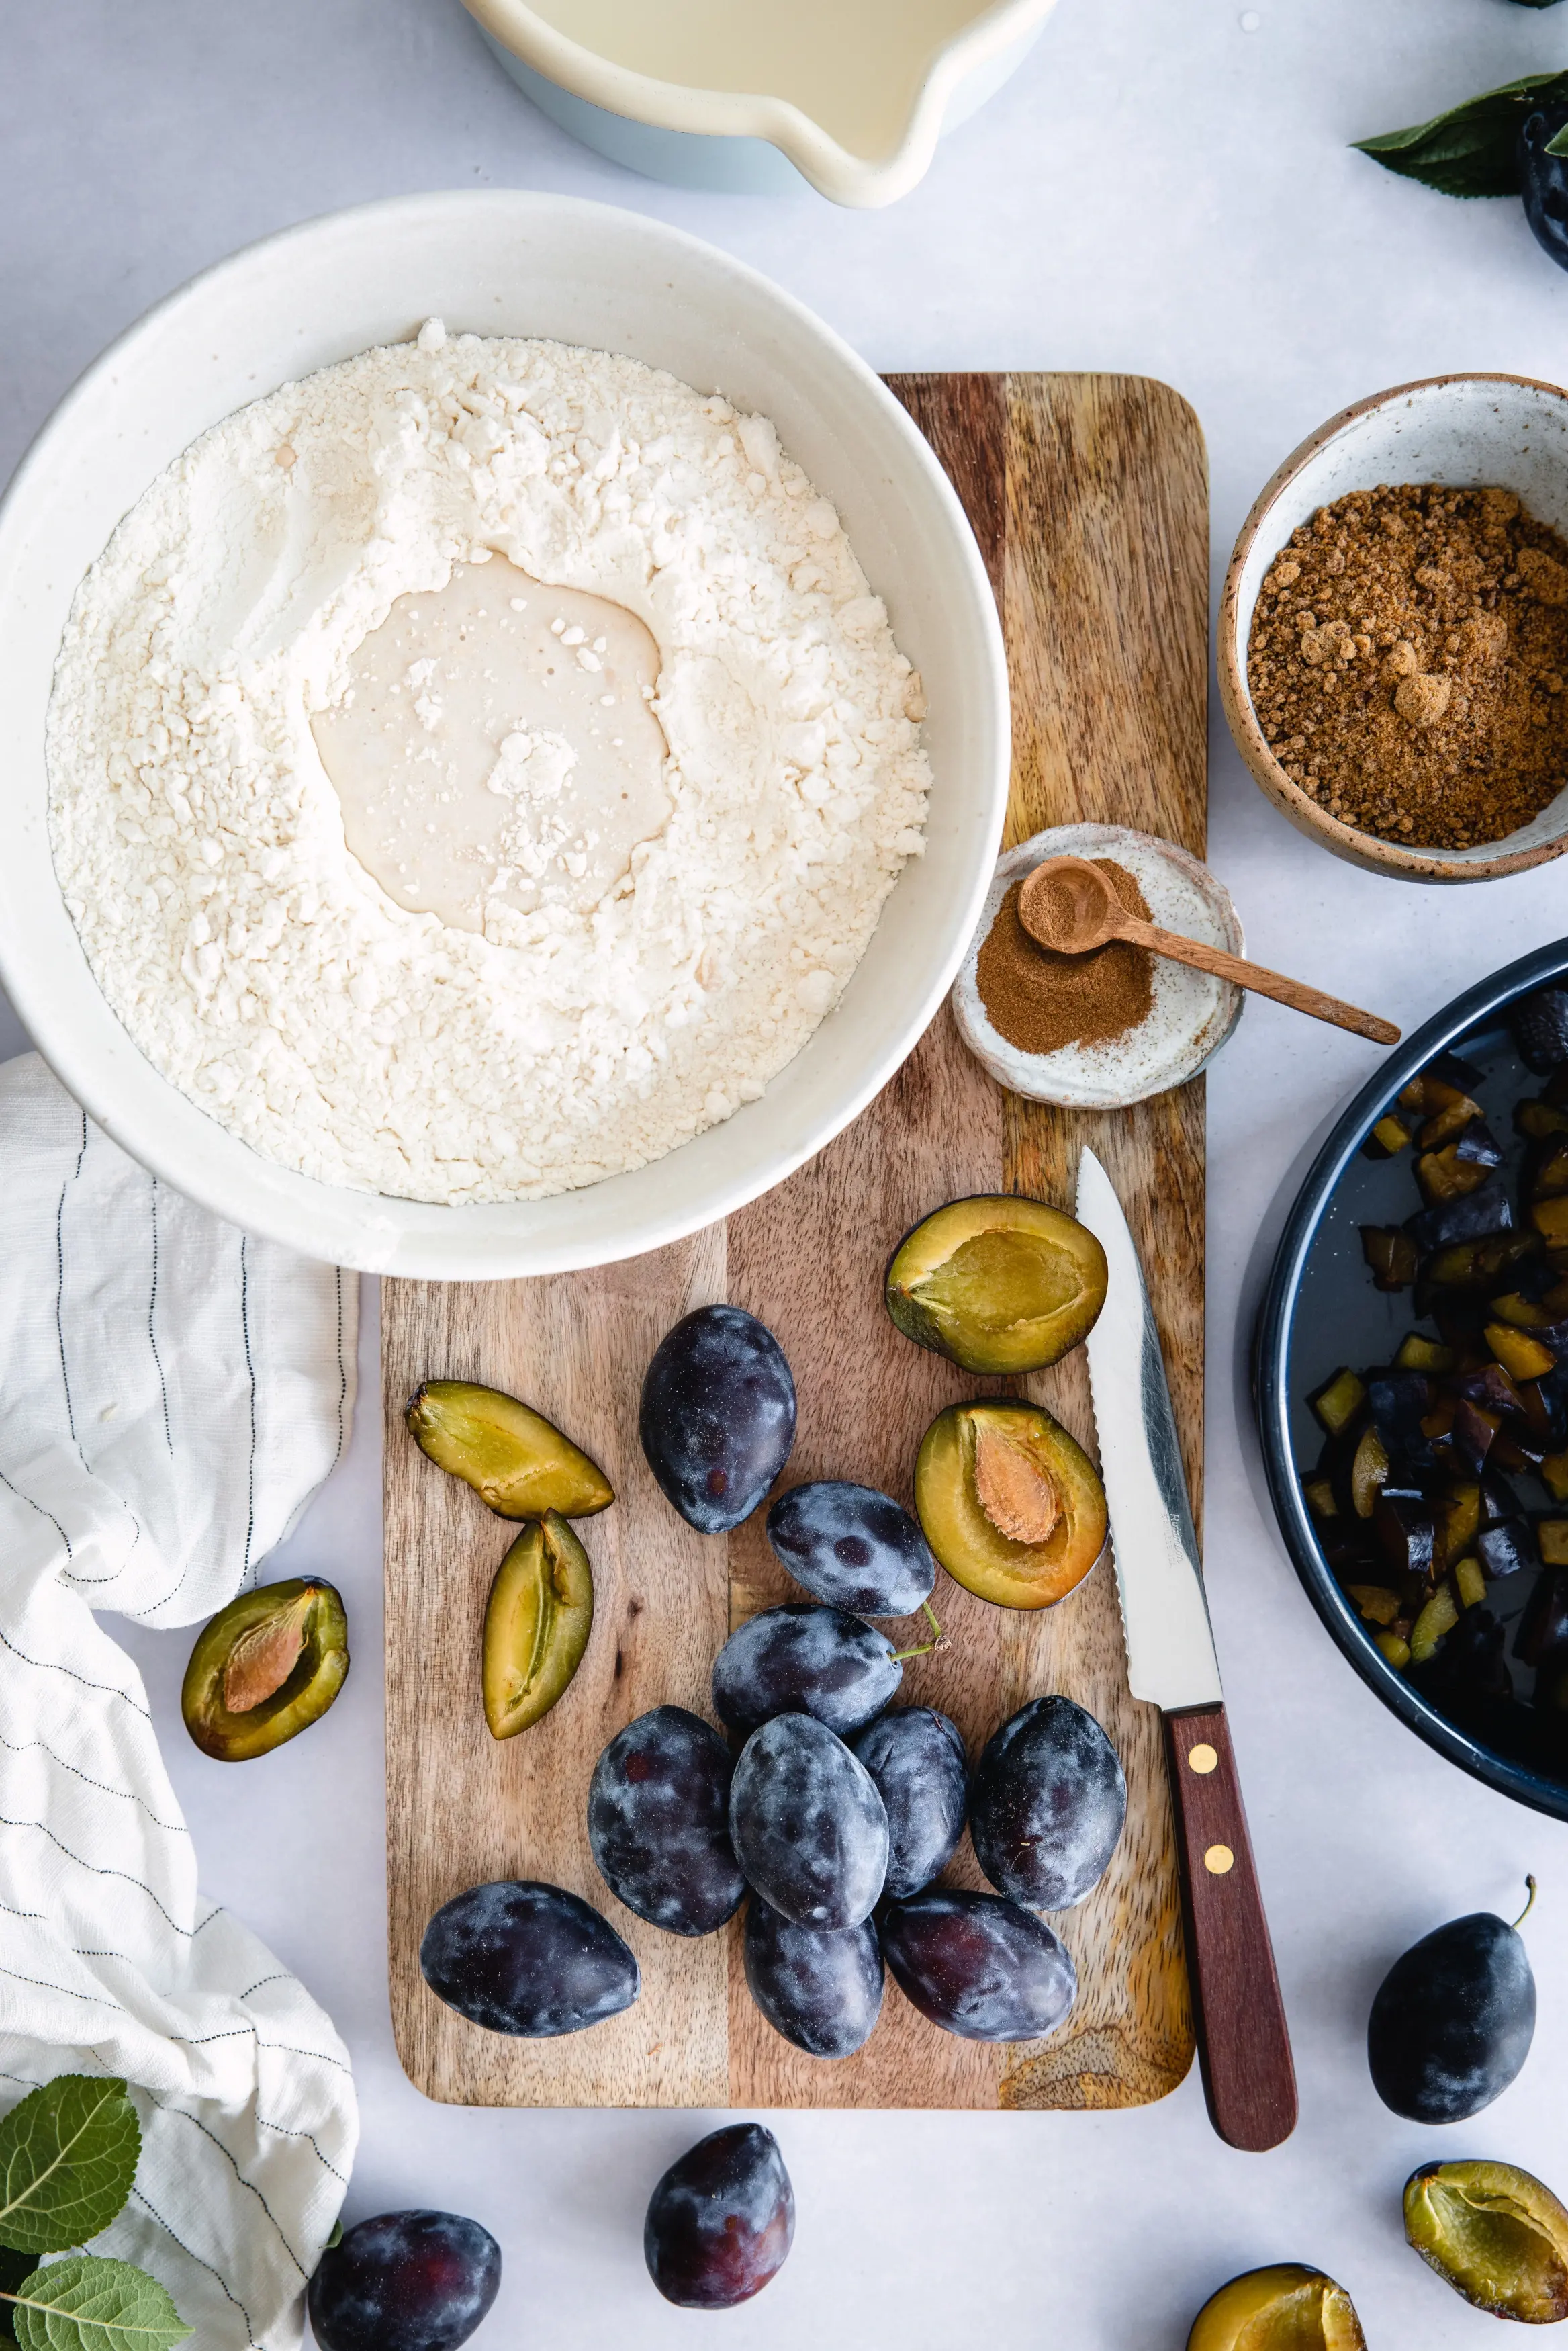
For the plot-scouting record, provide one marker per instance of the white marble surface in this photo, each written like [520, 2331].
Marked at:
[1163, 191]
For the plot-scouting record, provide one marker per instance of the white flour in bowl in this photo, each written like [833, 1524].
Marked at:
[200, 843]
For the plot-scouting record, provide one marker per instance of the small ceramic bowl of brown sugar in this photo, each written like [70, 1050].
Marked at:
[1099, 1031]
[1394, 631]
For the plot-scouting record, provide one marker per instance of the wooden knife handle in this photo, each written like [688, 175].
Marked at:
[1243, 2042]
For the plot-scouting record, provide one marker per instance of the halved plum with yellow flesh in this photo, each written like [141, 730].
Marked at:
[536, 1625]
[1011, 1504]
[1286, 2307]
[515, 1459]
[997, 1283]
[267, 1666]
[1496, 2233]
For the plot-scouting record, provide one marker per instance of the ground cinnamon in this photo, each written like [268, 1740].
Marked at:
[1040, 1001]
[1407, 663]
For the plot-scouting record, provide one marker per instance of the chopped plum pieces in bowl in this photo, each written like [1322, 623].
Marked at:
[1412, 1382]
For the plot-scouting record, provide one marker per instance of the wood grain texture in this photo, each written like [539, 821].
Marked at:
[462, 1808]
[1105, 609]
[1249, 2074]
[1089, 499]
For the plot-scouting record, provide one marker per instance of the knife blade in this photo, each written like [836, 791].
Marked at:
[1170, 1645]
[1243, 2041]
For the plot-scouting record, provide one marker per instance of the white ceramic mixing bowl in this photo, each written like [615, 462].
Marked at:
[502, 262]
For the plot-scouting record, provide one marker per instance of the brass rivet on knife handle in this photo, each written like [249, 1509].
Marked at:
[1243, 2042]
[1201, 1757]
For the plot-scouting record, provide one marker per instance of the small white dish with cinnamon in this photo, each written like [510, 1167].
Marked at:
[1101, 1030]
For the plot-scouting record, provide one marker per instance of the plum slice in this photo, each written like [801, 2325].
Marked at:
[536, 1625]
[516, 1460]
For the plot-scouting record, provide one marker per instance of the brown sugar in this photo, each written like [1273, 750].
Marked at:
[1407, 660]
[1040, 1001]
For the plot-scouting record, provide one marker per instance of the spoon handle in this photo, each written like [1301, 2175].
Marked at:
[1259, 978]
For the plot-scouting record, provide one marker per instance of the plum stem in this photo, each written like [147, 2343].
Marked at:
[1528, 1907]
[939, 1641]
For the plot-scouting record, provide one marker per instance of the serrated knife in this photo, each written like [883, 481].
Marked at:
[1243, 2042]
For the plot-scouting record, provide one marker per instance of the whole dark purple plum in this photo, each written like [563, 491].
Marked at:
[917, 1758]
[979, 1966]
[520, 1956]
[1453, 2019]
[404, 2282]
[718, 1415]
[1544, 188]
[659, 1822]
[803, 1659]
[823, 1991]
[1046, 1804]
[853, 1547]
[722, 2220]
[808, 1824]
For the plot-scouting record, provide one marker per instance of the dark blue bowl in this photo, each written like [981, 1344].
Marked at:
[1321, 1310]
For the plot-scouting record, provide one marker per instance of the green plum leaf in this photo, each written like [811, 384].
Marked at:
[1473, 149]
[85, 2304]
[68, 2157]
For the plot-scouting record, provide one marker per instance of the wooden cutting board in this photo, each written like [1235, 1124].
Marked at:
[1089, 497]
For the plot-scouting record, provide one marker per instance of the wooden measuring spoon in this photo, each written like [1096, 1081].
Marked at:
[1068, 905]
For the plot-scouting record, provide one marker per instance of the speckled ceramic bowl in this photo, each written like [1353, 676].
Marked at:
[1471, 431]
[1192, 1015]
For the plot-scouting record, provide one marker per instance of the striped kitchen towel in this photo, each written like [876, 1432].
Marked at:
[172, 1393]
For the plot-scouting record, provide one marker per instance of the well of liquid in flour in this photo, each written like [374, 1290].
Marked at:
[495, 743]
